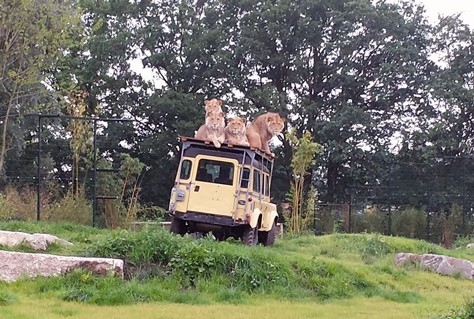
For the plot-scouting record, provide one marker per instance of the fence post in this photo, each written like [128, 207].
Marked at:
[389, 200]
[350, 211]
[94, 175]
[38, 173]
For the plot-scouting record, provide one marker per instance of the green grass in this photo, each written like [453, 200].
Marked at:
[167, 276]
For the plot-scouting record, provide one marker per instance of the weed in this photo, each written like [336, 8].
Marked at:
[466, 312]
[6, 297]
[190, 262]
[374, 247]
[401, 296]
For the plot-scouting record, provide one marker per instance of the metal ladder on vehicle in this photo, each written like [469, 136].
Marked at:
[239, 188]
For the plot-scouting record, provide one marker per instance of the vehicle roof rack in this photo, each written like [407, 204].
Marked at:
[226, 146]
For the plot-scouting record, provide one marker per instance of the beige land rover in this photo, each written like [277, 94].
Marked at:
[224, 191]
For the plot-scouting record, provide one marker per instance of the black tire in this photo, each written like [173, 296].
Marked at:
[178, 226]
[268, 238]
[219, 236]
[249, 236]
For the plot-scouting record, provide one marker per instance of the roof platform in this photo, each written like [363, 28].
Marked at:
[225, 147]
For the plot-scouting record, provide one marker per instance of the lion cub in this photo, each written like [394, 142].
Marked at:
[213, 128]
[261, 130]
[235, 132]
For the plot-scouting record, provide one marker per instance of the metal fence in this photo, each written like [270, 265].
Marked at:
[61, 154]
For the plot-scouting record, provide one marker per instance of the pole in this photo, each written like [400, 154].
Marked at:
[38, 173]
[350, 211]
[94, 176]
[389, 200]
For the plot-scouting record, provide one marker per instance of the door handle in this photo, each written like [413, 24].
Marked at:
[196, 188]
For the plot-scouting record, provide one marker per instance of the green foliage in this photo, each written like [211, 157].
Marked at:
[152, 245]
[466, 312]
[191, 262]
[73, 207]
[34, 35]
[125, 186]
[162, 267]
[374, 248]
[204, 265]
[304, 151]
[410, 223]
[6, 297]
[18, 203]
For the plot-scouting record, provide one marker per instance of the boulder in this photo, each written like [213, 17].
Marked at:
[35, 241]
[440, 264]
[446, 265]
[15, 265]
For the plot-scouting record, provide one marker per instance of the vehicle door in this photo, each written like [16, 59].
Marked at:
[213, 188]
[180, 192]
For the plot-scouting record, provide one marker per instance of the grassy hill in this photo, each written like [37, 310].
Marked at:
[167, 276]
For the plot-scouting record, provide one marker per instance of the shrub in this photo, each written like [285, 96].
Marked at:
[75, 208]
[6, 297]
[467, 312]
[374, 247]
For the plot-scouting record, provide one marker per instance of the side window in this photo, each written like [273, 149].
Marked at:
[267, 185]
[244, 183]
[256, 181]
[185, 169]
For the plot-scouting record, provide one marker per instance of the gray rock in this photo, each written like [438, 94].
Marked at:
[15, 265]
[440, 264]
[35, 241]
[446, 265]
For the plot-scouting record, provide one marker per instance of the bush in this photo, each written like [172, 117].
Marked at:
[467, 312]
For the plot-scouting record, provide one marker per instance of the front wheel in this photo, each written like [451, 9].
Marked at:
[178, 226]
[249, 236]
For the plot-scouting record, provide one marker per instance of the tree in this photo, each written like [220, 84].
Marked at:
[352, 73]
[304, 151]
[33, 36]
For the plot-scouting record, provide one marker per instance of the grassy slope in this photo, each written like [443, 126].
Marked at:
[398, 293]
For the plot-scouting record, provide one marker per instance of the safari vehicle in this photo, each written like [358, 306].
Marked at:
[224, 191]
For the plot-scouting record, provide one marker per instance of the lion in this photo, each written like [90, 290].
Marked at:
[214, 105]
[213, 129]
[261, 130]
[235, 132]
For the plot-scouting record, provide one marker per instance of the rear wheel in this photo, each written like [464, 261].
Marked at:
[178, 226]
[268, 238]
[249, 236]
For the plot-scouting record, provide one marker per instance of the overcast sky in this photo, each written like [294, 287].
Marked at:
[449, 7]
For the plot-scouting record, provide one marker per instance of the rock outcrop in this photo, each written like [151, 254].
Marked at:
[35, 241]
[15, 265]
[443, 265]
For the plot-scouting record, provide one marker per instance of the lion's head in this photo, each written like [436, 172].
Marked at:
[236, 126]
[215, 120]
[275, 124]
[214, 105]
